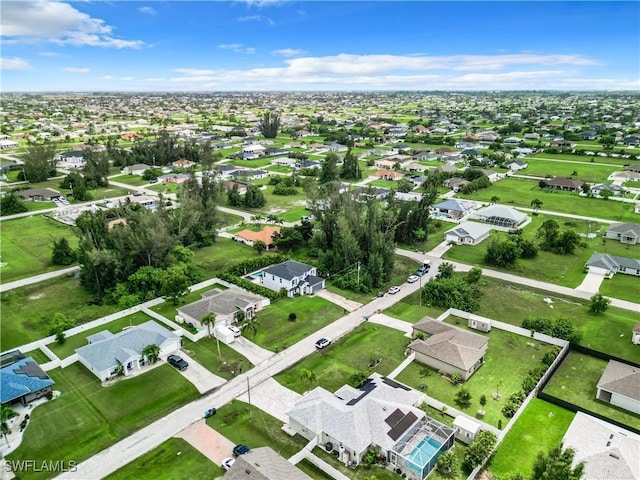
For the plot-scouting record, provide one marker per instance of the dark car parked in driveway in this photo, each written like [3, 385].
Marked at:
[240, 450]
[178, 362]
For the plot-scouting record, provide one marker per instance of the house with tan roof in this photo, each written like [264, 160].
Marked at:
[388, 175]
[249, 237]
[448, 348]
[619, 385]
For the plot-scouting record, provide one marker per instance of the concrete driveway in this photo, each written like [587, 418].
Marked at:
[208, 441]
[254, 353]
[591, 282]
[272, 398]
[382, 319]
[202, 378]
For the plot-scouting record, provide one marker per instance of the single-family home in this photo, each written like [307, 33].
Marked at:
[407, 196]
[109, 354]
[561, 183]
[177, 178]
[444, 169]
[515, 165]
[263, 463]
[249, 174]
[470, 152]
[383, 163]
[308, 164]
[381, 414]
[22, 380]
[7, 143]
[466, 428]
[273, 151]
[366, 192]
[609, 265]
[522, 151]
[631, 140]
[608, 451]
[183, 163]
[561, 143]
[418, 180]
[336, 147]
[74, 158]
[456, 183]
[501, 216]
[249, 237]
[416, 167]
[633, 168]
[512, 141]
[242, 186]
[227, 306]
[619, 385]
[137, 169]
[468, 233]
[285, 162]
[492, 175]
[254, 149]
[448, 348]
[38, 194]
[246, 156]
[295, 277]
[588, 135]
[388, 175]
[453, 208]
[400, 148]
[613, 189]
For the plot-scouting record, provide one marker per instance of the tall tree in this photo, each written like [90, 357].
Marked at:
[269, 124]
[175, 283]
[350, 168]
[39, 163]
[11, 204]
[62, 253]
[329, 172]
[254, 198]
[557, 464]
[599, 303]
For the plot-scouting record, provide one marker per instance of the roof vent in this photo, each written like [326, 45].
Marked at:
[613, 455]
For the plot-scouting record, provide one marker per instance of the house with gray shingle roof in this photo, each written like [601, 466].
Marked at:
[468, 233]
[108, 353]
[453, 208]
[23, 381]
[263, 464]
[296, 278]
[624, 232]
[609, 265]
[225, 305]
[608, 451]
[619, 385]
[380, 414]
[448, 348]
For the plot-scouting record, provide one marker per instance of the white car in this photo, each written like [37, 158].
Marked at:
[413, 279]
[322, 343]
[227, 462]
[394, 290]
[236, 331]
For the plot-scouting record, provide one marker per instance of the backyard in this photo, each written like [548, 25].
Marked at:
[353, 353]
[174, 458]
[540, 427]
[88, 417]
[576, 382]
[508, 359]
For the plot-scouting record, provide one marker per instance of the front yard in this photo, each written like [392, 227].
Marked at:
[205, 352]
[87, 417]
[353, 353]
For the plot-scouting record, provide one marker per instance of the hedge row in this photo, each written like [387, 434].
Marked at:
[262, 261]
[252, 287]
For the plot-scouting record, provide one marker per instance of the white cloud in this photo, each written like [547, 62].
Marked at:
[15, 63]
[250, 18]
[126, 79]
[48, 54]
[107, 77]
[193, 71]
[147, 11]
[59, 23]
[264, 3]
[238, 48]
[288, 52]
[77, 69]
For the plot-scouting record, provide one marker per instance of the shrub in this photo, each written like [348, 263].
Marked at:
[292, 317]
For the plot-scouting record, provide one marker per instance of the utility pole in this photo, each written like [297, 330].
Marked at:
[358, 269]
[249, 397]
[420, 291]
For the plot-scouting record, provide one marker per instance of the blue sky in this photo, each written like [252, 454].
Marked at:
[303, 45]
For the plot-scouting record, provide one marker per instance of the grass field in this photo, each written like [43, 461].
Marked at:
[576, 382]
[504, 349]
[540, 427]
[174, 458]
[295, 214]
[334, 365]
[520, 192]
[42, 301]
[581, 158]
[223, 254]
[586, 172]
[27, 244]
[626, 287]
[275, 330]
[412, 310]
[205, 352]
[281, 203]
[87, 417]
[133, 180]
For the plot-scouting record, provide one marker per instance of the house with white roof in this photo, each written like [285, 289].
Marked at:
[502, 217]
[137, 169]
[628, 233]
[468, 233]
[107, 353]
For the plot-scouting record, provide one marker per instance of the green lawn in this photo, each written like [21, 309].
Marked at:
[607, 332]
[87, 417]
[411, 310]
[175, 458]
[38, 355]
[520, 192]
[275, 329]
[295, 214]
[37, 206]
[205, 352]
[459, 449]
[361, 473]
[586, 172]
[223, 254]
[133, 180]
[279, 168]
[80, 340]
[384, 184]
[580, 158]
[246, 424]
[165, 188]
[576, 382]
[258, 163]
[314, 472]
[27, 244]
[226, 219]
[540, 427]
[625, 287]
[504, 349]
[43, 301]
[334, 366]
[281, 203]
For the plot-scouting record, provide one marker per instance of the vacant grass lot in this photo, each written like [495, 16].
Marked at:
[295, 214]
[27, 244]
[607, 332]
[80, 340]
[246, 424]
[134, 180]
[278, 204]
[540, 427]
[586, 172]
[223, 254]
[411, 310]
[87, 417]
[312, 314]
[175, 458]
[42, 301]
[576, 382]
[619, 162]
[509, 357]
[334, 365]
[519, 192]
[205, 352]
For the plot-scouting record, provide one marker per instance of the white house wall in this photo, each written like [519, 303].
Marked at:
[440, 365]
[626, 403]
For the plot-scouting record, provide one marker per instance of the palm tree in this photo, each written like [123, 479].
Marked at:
[536, 204]
[257, 218]
[6, 413]
[309, 377]
[209, 319]
[251, 323]
[151, 352]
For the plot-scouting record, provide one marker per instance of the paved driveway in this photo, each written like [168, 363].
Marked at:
[208, 441]
[202, 378]
[391, 322]
[254, 353]
[591, 282]
[273, 398]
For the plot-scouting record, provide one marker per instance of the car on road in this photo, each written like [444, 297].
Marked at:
[424, 269]
[227, 462]
[240, 449]
[236, 331]
[178, 362]
[322, 343]
[413, 278]
[394, 290]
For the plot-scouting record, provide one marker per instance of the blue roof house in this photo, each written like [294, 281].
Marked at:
[23, 381]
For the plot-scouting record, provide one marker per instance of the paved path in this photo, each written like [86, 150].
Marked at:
[591, 282]
[348, 305]
[207, 441]
[273, 398]
[202, 378]
[5, 287]
[382, 319]
[252, 352]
